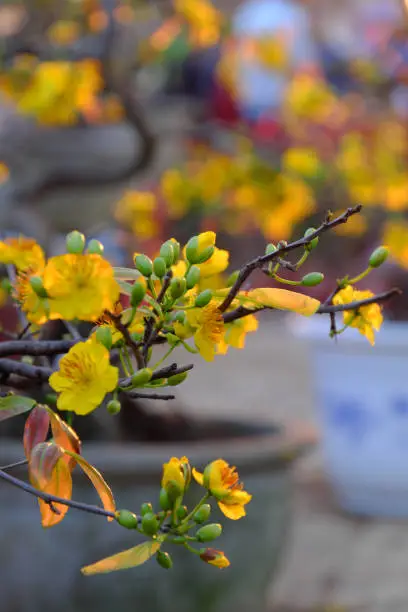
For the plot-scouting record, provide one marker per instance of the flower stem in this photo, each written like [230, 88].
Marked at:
[197, 507]
[286, 281]
[124, 365]
[358, 278]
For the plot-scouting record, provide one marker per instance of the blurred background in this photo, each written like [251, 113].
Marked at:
[137, 121]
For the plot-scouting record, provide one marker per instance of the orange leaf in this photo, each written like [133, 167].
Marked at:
[36, 429]
[61, 486]
[65, 437]
[123, 560]
[282, 299]
[98, 482]
[43, 460]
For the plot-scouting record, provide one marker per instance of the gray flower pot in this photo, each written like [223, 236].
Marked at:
[40, 569]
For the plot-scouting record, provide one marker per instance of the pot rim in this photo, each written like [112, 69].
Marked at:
[269, 448]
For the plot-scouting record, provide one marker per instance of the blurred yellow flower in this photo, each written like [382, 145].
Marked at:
[81, 286]
[4, 172]
[301, 160]
[222, 481]
[63, 32]
[366, 319]
[235, 333]
[84, 377]
[395, 236]
[138, 209]
[177, 193]
[21, 252]
[204, 21]
[355, 226]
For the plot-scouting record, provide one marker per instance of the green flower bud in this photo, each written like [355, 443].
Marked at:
[159, 267]
[312, 279]
[145, 508]
[192, 277]
[141, 377]
[178, 287]
[209, 532]
[95, 247]
[104, 336]
[205, 255]
[173, 491]
[313, 244]
[180, 317]
[270, 248]
[167, 253]
[204, 298]
[232, 278]
[176, 249]
[202, 514]
[113, 407]
[164, 500]
[173, 381]
[194, 254]
[37, 286]
[144, 265]
[282, 243]
[182, 512]
[164, 559]
[178, 540]
[75, 243]
[137, 294]
[127, 519]
[378, 257]
[6, 285]
[150, 524]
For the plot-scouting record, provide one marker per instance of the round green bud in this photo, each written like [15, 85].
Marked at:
[378, 257]
[204, 298]
[150, 524]
[209, 532]
[127, 519]
[164, 500]
[313, 244]
[192, 277]
[178, 540]
[164, 559]
[178, 287]
[176, 249]
[75, 243]
[180, 317]
[182, 512]
[95, 247]
[144, 265]
[173, 381]
[159, 267]
[137, 294]
[145, 508]
[6, 285]
[167, 253]
[173, 490]
[270, 248]
[202, 514]
[232, 278]
[104, 336]
[312, 279]
[142, 377]
[113, 407]
[205, 255]
[37, 286]
[192, 250]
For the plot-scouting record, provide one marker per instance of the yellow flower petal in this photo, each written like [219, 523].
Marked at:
[233, 512]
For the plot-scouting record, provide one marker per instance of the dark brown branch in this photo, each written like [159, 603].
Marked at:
[259, 262]
[166, 372]
[121, 327]
[37, 373]
[151, 396]
[380, 297]
[35, 347]
[53, 499]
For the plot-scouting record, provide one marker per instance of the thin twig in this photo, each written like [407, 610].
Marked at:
[35, 347]
[150, 396]
[380, 297]
[166, 372]
[121, 327]
[150, 333]
[53, 499]
[259, 262]
[11, 466]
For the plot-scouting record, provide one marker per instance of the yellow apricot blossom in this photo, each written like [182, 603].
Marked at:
[366, 319]
[21, 252]
[395, 236]
[81, 286]
[222, 481]
[217, 263]
[236, 331]
[106, 320]
[206, 325]
[84, 377]
[35, 308]
[215, 557]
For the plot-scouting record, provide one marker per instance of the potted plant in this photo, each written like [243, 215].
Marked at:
[165, 306]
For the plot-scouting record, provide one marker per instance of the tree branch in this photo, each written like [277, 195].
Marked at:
[166, 372]
[37, 373]
[380, 297]
[35, 347]
[260, 261]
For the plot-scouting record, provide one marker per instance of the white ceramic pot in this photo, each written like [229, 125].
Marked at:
[361, 394]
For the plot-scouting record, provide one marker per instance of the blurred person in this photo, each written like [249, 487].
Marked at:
[262, 82]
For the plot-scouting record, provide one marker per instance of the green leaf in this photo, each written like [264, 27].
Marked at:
[123, 560]
[12, 405]
[126, 274]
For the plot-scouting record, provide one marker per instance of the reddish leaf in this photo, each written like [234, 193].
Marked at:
[61, 486]
[43, 460]
[123, 560]
[98, 482]
[36, 429]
